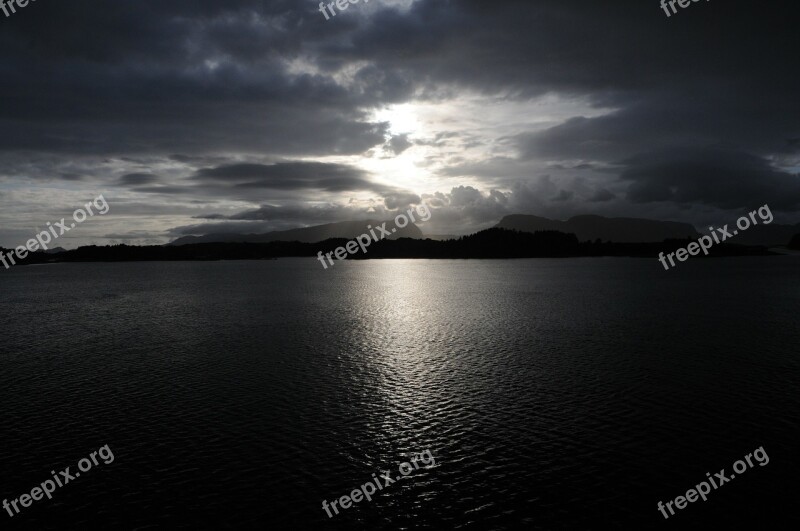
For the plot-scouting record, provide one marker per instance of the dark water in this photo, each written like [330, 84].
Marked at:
[553, 394]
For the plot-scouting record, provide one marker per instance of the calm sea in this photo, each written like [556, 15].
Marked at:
[553, 394]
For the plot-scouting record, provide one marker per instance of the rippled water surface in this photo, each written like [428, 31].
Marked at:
[553, 394]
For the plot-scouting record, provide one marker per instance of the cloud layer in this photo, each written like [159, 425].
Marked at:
[264, 115]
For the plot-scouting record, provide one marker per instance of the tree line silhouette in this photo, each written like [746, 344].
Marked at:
[490, 243]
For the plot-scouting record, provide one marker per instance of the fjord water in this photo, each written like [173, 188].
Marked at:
[553, 394]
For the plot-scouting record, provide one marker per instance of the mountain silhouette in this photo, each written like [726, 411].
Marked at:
[636, 230]
[347, 230]
[591, 228]
[771, 235]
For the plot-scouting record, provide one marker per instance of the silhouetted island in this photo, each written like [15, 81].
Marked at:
[490, 243]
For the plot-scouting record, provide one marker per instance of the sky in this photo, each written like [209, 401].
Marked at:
[193, 117]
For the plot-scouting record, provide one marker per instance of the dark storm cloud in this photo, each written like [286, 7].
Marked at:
[153, 74]
[137, 179]
[291, 176]
[609, 50]
[150, 75]
[176, 76]
[722, 178]
[170, 190]
[398, 144]
[563, 195]
[394, 201]
[666, 120]
[602, 196]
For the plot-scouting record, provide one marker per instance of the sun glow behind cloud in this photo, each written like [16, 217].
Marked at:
[403, 119]
[459, 131]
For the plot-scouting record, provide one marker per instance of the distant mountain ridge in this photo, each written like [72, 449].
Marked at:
[346, 229]
[591, 228]
[637, 230]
